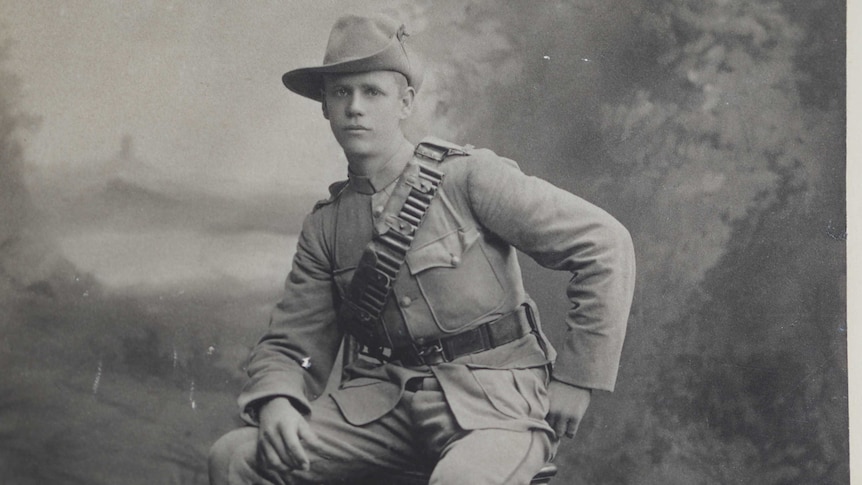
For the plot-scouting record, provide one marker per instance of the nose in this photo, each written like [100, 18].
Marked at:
[355, 107]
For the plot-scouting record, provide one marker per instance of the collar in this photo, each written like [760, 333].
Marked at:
[385, 175]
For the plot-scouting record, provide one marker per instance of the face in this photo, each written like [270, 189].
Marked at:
[365, 110]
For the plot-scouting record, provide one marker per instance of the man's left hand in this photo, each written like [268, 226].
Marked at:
[568, 404]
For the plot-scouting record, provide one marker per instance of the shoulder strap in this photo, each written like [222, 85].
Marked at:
[446, 148]
[335, 190]
[381, 261]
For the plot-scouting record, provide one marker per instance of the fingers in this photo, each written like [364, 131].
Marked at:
[271, 466]
[299, 459]
[563, 426]
[568, 403]
[281, 436]
[558, 424]
[307, 434]
[572, 428]
[267, 457]
[271, 451]
[281, 450]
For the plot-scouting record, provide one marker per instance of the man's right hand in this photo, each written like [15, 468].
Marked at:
[281, 435]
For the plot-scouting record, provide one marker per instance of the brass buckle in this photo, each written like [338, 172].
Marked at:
[431, 354]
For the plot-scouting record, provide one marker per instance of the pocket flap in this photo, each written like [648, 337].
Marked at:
[445, 252]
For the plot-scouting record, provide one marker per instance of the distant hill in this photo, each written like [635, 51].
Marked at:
[124, 205]
[127, 194]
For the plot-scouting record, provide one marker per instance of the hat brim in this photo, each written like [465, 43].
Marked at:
[308, 81]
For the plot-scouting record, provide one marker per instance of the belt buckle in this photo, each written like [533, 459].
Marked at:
[378, 352]
[431, 354]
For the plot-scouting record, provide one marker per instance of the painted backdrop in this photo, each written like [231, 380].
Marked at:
[154, 174]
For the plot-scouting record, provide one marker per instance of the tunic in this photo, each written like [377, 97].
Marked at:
[461, 271]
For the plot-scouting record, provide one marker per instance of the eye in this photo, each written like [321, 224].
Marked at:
[373, 92]
[339, 92]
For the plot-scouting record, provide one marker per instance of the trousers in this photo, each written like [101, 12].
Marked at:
[421, 431]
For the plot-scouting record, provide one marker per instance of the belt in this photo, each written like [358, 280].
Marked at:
[487, 336]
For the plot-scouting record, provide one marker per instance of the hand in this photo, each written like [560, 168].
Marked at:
[568, 404]
[281, 435]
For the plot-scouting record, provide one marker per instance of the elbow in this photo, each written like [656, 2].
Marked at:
[617, 236]
[624, 239]
[619, 245]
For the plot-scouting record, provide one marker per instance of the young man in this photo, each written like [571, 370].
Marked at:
[414, 255]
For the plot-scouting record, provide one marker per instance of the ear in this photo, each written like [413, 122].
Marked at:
[323, 106]
[408, 96]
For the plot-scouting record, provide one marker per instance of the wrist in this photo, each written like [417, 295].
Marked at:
[277, 402]
[258, 408]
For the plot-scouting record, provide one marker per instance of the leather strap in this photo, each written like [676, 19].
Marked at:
[360, 314]
[487, 336]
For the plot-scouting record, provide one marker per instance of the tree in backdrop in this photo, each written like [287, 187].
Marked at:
[714, 131]
[739, 167]
[16, 208]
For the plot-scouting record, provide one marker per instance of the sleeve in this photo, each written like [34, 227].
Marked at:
[561, 231]
[302, 330]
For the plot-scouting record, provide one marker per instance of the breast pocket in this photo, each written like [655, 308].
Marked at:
[456, 279]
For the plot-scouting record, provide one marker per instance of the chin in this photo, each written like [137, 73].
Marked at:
[356, 148]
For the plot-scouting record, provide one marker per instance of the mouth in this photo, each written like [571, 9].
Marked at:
[356, 128]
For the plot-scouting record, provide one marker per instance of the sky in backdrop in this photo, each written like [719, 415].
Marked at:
[193, 90]
[196, 85]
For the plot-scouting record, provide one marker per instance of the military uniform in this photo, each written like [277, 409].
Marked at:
[461, 272]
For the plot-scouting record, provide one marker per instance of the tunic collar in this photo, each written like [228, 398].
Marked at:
[385, 175]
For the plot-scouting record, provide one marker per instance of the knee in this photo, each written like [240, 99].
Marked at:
[468, 474]
[219, 459]
[224, 450]
[456, 475]
[493, 457]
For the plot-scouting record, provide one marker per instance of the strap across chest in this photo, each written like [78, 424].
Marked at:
[361, 312]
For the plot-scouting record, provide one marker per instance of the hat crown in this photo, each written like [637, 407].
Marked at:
[358, 44]
[355, 37]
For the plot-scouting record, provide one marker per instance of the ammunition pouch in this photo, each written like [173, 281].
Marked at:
[360, 314]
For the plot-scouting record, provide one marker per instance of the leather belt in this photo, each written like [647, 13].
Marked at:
[487, 336]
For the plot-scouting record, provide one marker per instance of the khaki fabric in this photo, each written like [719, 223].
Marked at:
[461, 271]
[420, 431]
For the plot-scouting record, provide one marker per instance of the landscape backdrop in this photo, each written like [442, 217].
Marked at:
[154, 174]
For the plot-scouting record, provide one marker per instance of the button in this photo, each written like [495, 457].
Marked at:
[406, 301]
[377, 211]
[456, 261]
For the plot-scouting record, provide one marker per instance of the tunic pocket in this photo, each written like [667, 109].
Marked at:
[456, 279]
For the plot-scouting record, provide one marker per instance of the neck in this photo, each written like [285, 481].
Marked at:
[367, 164]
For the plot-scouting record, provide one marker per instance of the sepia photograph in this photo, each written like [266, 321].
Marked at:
[423, 242]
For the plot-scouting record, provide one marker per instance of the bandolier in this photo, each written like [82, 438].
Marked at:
[361, 312]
